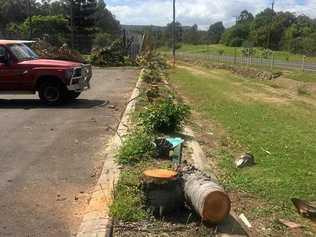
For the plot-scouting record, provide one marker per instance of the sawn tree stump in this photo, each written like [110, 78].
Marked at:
[162, 190]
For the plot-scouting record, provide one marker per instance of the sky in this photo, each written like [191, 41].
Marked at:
[200, 12]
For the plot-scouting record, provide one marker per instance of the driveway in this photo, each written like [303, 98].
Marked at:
[51, 158]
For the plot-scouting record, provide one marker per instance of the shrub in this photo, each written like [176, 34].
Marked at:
[152, 60]
[150, 75]
[136, 147]
[164, 116]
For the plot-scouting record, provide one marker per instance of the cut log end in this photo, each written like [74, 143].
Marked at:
[160, 174]
[216, 207]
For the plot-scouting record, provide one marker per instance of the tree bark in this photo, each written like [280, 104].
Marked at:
[206, 196]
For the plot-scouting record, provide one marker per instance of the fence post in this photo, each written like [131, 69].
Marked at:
[303, 62]
[272, 61]
[235, 56]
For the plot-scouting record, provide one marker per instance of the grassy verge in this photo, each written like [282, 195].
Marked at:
[230, 51]
[128, 201]
[157, 114]
[290, 74]
[280, 135]
[301, 76]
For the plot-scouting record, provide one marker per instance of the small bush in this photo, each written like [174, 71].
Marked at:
[164, 116]
[136, 147]
[152, 60]
[150, 75]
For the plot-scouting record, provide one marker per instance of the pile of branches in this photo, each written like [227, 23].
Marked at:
[47, 51]
[112, 56]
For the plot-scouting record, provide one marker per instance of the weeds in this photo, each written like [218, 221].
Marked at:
[127, 205]
[137, 146]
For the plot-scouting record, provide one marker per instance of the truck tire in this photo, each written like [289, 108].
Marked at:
[52, 93]
[71, 95]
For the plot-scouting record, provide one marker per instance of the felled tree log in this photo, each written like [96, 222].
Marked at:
[207, 197]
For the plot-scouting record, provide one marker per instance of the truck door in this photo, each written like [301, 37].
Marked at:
[11, 74]
[4, 82]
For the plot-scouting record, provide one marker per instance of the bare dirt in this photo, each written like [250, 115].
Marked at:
[51, 157]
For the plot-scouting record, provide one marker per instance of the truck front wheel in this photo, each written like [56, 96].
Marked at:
[52, 93]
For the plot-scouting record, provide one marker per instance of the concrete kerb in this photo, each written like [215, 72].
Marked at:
[97, 221]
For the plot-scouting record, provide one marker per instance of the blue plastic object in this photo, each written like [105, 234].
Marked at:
[177, 149]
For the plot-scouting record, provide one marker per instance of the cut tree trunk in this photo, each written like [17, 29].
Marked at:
[163, 191]
[206, 196]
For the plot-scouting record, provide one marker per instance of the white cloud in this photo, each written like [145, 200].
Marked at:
[201, 12]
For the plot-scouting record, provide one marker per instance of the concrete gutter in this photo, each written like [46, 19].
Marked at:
[97, 221]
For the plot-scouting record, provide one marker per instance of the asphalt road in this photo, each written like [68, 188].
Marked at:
[51, 158]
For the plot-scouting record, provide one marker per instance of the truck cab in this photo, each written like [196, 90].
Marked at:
[23, 72]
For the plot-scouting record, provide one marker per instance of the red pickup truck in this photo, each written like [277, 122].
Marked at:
[21, 71]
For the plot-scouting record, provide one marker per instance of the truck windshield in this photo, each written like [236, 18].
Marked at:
[22, 52]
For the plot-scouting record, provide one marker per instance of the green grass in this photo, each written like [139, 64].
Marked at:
[230, 51]
[285, 130]
[301, 76]
[128, 201]
[290, 74]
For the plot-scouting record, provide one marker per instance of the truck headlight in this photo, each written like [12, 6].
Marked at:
[69, 73]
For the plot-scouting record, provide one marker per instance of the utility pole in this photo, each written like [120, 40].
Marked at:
[29, 6]
[72, 24]
[270, 26]
[236, 19]
[174, 34]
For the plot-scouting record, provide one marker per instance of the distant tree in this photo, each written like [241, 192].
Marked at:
[261, 26]
[81, 15]
[168, 34]
[191, 35]
[54, 29]
[15, 11]
[281, 22]
[238, 34]
[296, 36]
[245, 17]
[215, 32]
[105, 21]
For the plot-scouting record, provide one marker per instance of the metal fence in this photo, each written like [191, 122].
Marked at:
[265, 62]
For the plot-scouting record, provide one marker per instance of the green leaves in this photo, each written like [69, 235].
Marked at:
[137, 146]
[165, 116]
